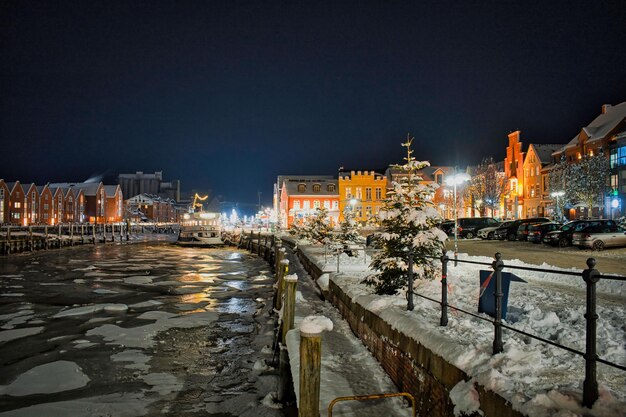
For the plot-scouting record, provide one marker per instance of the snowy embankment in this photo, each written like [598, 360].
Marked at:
[538, 379]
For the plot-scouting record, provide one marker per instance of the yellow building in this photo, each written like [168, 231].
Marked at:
[363, 192]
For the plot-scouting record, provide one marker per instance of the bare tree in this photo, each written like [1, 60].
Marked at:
[487, 186]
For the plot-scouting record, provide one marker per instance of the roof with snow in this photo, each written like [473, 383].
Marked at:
[328, 185]
[88, 188]
[601, 125]
[544, 151]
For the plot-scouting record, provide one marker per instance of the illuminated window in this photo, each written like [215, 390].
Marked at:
[335, 205]
[348, 192]
[316, 188]
[578, 155]
[307, 204]
[590, 152]
[359, 193]
[316, 204]
[327, 204]
[17, 204]
[301, 188]
[330, 187]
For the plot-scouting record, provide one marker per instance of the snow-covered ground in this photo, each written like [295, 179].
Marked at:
[538, 379]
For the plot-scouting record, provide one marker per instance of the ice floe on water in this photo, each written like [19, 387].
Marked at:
[139, 280]
[163, 383]
[7, 335]
[136, 358]
[146, 304]
[118, 405]
[143, 336]
[47, 379]
[91, 309]
[105, 291]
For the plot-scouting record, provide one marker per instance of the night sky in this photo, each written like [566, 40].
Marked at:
[227, 95]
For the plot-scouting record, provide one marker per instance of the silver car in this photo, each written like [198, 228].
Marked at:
[488, 232]
[600, 236]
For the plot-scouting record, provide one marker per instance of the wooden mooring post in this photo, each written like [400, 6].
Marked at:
[280, 279]
[289, 312]
[311, 330]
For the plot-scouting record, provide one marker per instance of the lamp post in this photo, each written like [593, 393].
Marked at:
[557, 194]
[455, 180]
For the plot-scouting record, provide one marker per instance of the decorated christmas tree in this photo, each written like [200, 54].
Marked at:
[409, 230]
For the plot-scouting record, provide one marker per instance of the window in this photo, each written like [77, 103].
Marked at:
[348, 192]
[532, 172]
[537, 170]
[359, 193]
[359, 212]
[17, 204]
[307, 204]
[618, 157]
[301, 188]
[317, 188]
[368, 211]
[316, 204]
[379, 193]
[368, 193]
[439, 179]
[327, 204]
[330, 188]
[614, 183]
[45, 206]
[513, 185]
[335, 205]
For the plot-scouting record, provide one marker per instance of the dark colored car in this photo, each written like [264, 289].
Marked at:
[537, 231]
[469, 226]
[509, 231]
[447, 226]
[524, 229]
[563, 236]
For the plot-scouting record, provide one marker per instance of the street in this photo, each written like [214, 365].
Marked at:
[609, 261]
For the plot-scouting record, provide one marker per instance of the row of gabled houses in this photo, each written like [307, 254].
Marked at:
[54, 203]
[524, 173]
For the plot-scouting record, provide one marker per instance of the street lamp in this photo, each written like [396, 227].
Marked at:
[454, 180]
[558, 194]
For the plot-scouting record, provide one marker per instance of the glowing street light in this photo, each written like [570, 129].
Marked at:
[454, 180]
[557, 194]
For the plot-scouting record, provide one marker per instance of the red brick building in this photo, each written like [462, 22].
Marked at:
[5, 194]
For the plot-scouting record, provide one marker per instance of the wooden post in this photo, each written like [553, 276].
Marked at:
[93, 233]
[31, 244]
[71, 234]
[310, 364]
[259, 244]
[45, 231]
[289, 313]
[282, 272]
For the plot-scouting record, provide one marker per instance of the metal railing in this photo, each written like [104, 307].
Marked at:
[590, 276]
[373, 397]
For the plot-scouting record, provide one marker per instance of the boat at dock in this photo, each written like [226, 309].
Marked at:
[200, 228]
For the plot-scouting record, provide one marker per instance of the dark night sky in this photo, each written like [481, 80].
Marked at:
[227, 95]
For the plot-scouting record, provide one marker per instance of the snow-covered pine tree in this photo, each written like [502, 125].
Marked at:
[348, 231]
[319, 226]
[300, 230]
[409, 228]
[587, 180]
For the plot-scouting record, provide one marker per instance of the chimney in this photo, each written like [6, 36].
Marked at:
[605, 108]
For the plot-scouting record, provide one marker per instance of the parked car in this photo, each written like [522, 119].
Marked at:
[510, 230]
[489, 232]
[537, 231]
[563, 236]
[447, 226]
[469, 226]
[524, 229]
[600, 236]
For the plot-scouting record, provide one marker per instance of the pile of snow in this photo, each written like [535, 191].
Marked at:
[315, 325]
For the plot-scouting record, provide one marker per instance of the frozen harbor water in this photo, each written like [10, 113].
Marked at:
[129, 330]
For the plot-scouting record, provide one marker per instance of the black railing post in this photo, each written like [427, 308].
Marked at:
[497, 266]
[410, 306]
[444, 290]
[590, 385]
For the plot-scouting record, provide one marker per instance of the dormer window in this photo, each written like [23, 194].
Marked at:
[301, 188]
[330, 187]
[316, 188]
